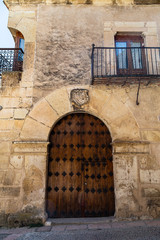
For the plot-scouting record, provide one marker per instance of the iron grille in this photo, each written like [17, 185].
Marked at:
[115, 63]
[11, 59]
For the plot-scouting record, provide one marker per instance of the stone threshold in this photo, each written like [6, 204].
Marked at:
[94, 220]
[79, 221]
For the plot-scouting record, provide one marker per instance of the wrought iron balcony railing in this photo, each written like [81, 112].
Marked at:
[113, 64]
[11, 59]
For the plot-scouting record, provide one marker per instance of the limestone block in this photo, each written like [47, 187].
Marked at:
[129, 24]
[152, 30]
[9, 177]
[1, 176]
[9, 135]
[29, 56]
[108, 38]
[59, 100]
[24, 22]
[2, 207]
[38, 93]
[11, 79]
[121, 190]
[147, 111]
[113, 109]
[151, 135]
[151, 24]
[4, 161]
[108, 24]
[6, 113]
[153, 206]
[155, 149]
[29, 147]
[17, 161]
[126, 171]
[143, 162]
[18, 92]
[33, 180]
[12, 206]
[26, 84]
[127, 29]
[148, 162]
[6, 124]
[130, 147]
[125, 128]
[37, 195]
[120, 94]
[18, 178]
[18, 124]
[28, 215]
[28, 28]
[155, 176]
[98, 99]
[15, 17]
[102, 2]
[3, 217]
[33, 130]
[124, 2]
[151, 39]
[26, 102]
[107, 29]
[9, 191]
[29, 92]
[44, 113]
[20, 113]
[121, 174]
[4, 147]
[145, 176]
[128, 207]
[151, 192]
[7, 102]
[38, 161]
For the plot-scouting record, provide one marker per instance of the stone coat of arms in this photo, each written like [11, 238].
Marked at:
[79, 97]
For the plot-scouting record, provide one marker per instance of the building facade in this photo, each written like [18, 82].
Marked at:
[80, 125]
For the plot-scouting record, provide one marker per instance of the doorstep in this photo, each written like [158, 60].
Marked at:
[79, 221]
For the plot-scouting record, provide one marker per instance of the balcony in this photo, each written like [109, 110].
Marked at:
[125, 65]
[11, 60]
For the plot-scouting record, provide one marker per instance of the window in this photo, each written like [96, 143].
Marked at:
[130, 54]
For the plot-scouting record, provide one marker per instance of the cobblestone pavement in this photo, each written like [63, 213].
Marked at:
[125, 230]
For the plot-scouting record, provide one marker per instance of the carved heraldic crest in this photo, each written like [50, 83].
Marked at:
[79, 97]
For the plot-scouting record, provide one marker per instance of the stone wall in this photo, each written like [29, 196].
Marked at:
[15, 103]
[135, 134]
[58, 41]
[63, 52]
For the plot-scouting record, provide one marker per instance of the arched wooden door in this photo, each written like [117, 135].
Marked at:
[80, 168]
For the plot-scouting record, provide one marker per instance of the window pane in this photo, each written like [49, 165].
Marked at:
[21, 43]
[121, 54]
[136, 55]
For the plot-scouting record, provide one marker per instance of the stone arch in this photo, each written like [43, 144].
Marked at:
[106, 105]
[103, 104]
[16, 36]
